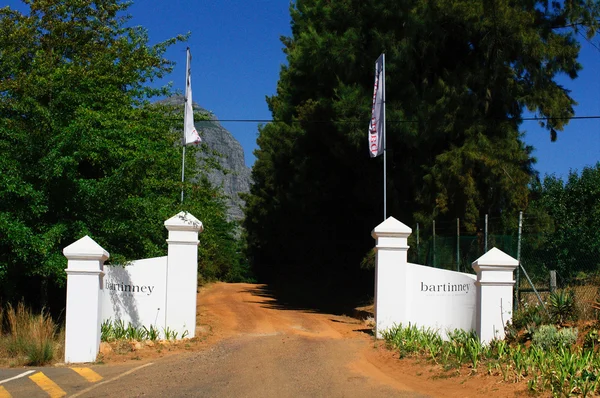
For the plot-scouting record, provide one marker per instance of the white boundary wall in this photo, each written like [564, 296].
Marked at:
[157, 291]
[443, 300]
[136, 293]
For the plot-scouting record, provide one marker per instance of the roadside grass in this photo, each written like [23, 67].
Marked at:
[28, 339]
[546, 353]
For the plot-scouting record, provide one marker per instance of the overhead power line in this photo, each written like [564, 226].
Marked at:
[524, 119]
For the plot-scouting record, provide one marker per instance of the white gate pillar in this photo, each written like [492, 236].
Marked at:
[391, 274]
[182, 273]
[83, 314]
[494, 293]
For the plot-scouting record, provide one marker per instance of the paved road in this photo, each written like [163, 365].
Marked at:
[265, 350]
[57, 382]
[256, 348]
[257, 366]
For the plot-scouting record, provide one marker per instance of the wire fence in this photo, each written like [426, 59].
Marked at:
[576, 266]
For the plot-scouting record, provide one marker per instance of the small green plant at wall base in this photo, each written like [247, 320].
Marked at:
[133, 333]
[106, 330]
[119, 330]
[152, 333]
[116, 330]
[170, 334]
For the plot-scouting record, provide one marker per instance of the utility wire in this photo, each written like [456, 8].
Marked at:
[524, 119]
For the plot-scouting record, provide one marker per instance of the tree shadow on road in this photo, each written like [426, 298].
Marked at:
[299, 298]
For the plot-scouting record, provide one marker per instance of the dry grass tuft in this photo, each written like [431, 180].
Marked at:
[30, 339]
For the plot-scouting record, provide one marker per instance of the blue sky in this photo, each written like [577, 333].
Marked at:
[237, 56]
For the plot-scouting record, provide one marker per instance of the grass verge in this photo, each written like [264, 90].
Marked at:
[562, 369]
[28, 339]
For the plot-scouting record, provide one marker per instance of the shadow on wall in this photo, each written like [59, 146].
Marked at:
[120, 299]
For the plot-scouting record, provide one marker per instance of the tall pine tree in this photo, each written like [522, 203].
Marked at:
[459, 74]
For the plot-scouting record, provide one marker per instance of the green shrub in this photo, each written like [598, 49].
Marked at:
[529, 315]
[548, 338]
[567, 337]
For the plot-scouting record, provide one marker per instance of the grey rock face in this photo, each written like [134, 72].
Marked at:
[236, 178]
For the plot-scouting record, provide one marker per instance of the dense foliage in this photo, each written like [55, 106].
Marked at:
[570, 242]
[83, 150]
[459, 74]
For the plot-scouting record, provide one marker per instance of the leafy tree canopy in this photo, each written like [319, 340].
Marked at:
[459, 75]
[570, 244]
[83, 150]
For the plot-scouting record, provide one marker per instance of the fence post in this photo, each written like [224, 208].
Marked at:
[83, 314]
[458, 245]
[433, 244]
[485, 241]
[418, 246]
[494, 293]
[517, 274]
[390, 273]
[182, 274]
[552, 281]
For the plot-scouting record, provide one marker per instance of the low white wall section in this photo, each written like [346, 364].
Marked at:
[159, 292]
[439, 299]
[136, 293]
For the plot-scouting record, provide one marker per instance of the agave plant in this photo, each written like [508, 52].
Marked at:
[562, 306]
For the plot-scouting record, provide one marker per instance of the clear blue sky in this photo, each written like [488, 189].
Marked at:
[237, 56]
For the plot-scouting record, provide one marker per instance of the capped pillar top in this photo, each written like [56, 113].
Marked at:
[184, 221]
[85, 249]
[391, 228]
[495, 258]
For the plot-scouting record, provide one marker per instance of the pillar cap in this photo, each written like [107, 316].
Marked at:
[184, 221]
[495, 258]
[85, 249]
[391, 228]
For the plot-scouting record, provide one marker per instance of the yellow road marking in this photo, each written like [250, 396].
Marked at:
[47, 385]
[4, 393]
[90, 388]
[88, 374]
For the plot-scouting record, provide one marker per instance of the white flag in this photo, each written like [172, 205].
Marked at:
[190, 135]
[376, 125]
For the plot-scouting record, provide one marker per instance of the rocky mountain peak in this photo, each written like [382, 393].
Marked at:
[236, 178]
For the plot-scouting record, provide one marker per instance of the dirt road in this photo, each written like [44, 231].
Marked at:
[257, 348]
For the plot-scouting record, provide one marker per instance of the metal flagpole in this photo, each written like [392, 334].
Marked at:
[182, 169]
[187, 71]
[384, 149]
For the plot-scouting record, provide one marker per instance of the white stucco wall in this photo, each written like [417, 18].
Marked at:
[439, 299]
[136, 293]
[442, 300]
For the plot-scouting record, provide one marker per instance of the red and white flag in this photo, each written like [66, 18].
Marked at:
[376, 125]
[190, 135]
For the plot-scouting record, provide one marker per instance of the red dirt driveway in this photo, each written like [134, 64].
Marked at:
[253, 347]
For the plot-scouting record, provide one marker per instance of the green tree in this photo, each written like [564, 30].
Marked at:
[570, 244]
[459, 74]
[83, 150]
